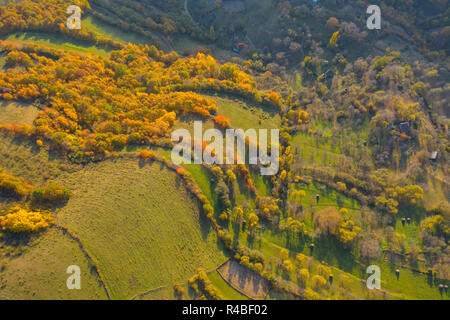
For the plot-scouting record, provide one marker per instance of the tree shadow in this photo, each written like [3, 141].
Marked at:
[329, 250]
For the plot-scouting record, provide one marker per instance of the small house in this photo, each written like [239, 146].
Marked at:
[404, 127]
[434, 156]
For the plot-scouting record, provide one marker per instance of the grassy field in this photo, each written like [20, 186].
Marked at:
[168, 293]
[23, 158]
[224, 288]
[245, 116]
[15, 112]
[140, 224]
[104, 29]
[164, 293]
[39, 272]
[57, 41]
[328, 197]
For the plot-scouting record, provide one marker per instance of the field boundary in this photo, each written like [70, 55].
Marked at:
[163, 287]
[230, 260]
[231, 285]
[89, 256]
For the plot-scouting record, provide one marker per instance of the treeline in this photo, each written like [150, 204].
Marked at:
[93, 106]
[47, 16]
[203, 287]
[52, 193]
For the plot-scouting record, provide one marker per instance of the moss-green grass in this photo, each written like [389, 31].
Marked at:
[224, 288]
[245, 116]
[2, 62]
[57, 41]
[15, 112]
[39, 272]
[328, 197]
[140, 224]
[100, 28]
[23, 158]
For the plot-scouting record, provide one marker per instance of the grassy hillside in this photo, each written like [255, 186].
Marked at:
[146, 233]
[140, 224]
[245, 116]
[39, 272]
[23, 158]
[57, 41]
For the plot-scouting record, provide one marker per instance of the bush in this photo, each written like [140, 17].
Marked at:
[318, 282]
[52, 193]
[13, 186]
[311, 295]
[147, 154]
[179, 291]
[222, 121]
[302, 277]
[20, 220]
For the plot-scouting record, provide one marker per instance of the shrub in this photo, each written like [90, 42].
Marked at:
[332, 24]
[179, 291]
[52, 193]
[311, 294]
[318, 282]
[13, 186]
[333, 39]
[222, 121]
[303, 277]
[147, 154]
[324, 271]
[20, 220]
[301, 259]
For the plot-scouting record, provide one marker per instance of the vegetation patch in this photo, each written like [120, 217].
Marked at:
[14, 112]
[244, 280]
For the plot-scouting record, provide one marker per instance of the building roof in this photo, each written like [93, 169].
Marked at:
[404, 127]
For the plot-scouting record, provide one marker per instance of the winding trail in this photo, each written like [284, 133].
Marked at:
[186, 10]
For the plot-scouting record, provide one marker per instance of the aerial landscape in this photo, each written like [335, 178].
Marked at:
[224, 150]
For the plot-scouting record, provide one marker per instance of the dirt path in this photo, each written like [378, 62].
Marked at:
[188, 13]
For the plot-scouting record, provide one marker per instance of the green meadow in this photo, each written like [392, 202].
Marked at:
[39, 271]
[57, 42]
[140, 224]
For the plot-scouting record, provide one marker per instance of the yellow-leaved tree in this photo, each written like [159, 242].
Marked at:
[20, 220]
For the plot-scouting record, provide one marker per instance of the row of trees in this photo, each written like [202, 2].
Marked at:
[50, 194]
[47, 16]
